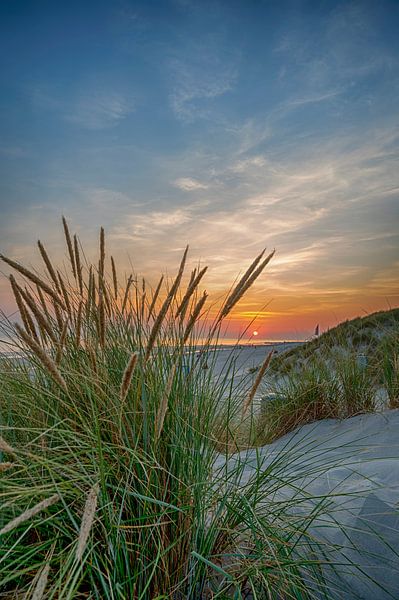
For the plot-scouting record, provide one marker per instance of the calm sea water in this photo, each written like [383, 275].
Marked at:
[252, 342]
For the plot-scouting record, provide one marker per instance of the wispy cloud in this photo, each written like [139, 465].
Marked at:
[107, 198]
[314, 202]
[100, 109]
[336, 57]
[90, 108]
[189, 184]
[312, 99]
[243, 166]
[208, 74]
[151, 225]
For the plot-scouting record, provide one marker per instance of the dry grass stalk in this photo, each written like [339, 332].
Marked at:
[4, 466]
[249, 271]
[64, 293]
[190, 291]
[193, 274]
[243, 286]
[32, 328]
[69, 246]
[58, 316]
[106, 298]
[163, 407]
[102, 253]
[61, 343]
[164, 309]
[29, 325]
[91, 292]
[6, 448]
[127, 376]
[30, 513]
[34, 278]
[49, 265]
[41, 584]
[78, 323]
[179, 275]
[126, 295]
[78, 263]
[114, 278]
[236, 290]
[43, 303]
[194, 317]
[87, 520]
[256, 384]
[25, 316]
[44, 325]
[93, 360]
[43, 357]
[142, 305]
[155, 298]
[101, 318]
[136, 309]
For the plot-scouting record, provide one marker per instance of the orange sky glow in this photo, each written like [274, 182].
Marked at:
[284, 303]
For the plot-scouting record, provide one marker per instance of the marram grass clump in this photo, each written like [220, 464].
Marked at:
[350, 370]
[110, 429]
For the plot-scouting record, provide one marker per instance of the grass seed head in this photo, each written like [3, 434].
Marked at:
[48, 264]
[256, 384]
[32, 277]
[194, 317]
[194, 282]
[114, 278]
[43, 357]
[69, 246]
[25, 316]
[41, 320]
[30, 513]
[102, 253]
[127, 376]
[78, 263]
[165, 307]
[41, 584]
[87, 520]
[4, 466]
[6, 448]
[155, 297]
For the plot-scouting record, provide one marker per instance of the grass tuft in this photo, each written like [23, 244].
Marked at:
[116, 428]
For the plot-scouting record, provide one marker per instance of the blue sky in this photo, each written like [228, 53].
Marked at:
[228, 125]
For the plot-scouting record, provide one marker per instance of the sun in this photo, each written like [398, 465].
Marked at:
[255, 333]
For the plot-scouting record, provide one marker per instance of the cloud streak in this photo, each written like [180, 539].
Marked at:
[100, 109]
[208, 74]
[188, 184]
[92, 108]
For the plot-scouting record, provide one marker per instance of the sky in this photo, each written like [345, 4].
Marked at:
[228, 125]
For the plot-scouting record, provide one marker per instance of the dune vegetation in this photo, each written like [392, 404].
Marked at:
[372, 335]
[110, 432]
[348, 370]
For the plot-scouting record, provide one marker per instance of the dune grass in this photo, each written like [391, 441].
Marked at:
[333, 376]
[111, 431]
[388, 363]
[299, 399]
[364, 335]
[110, 427]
